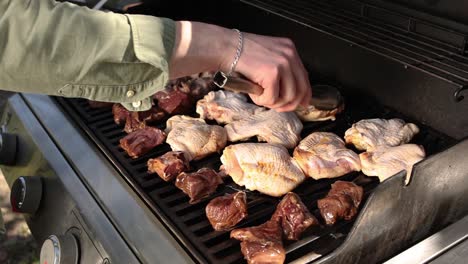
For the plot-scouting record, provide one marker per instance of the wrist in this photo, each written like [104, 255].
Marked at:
[228, 45]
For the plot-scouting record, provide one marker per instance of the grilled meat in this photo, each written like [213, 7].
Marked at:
[227, 211]
[194, 137]
[294, 216]
[310, 113]
[141, 141]
[324, 155]
[180, 95]
[196, 85]
[175, 102]
[133, 123]
[152, 116]
[226, 107]
[264, 167]
[270, 126]
[198, 185]
[372, 133]
[169, 165]
[136, 120]
[386, 162]
[261, 244]
[341, 202]
[348, 188]
[96, 104]
[120, 114]
[139, 120]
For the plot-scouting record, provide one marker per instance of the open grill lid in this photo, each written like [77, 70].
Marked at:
[455, 10]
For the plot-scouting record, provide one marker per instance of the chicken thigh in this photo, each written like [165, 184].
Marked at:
[324, 155]
[386, 162]
[273, 127]
[264, 167]
[194, 137]
[371, 133]
[226, 107]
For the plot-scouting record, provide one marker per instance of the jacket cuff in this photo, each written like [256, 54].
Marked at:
[153, 42]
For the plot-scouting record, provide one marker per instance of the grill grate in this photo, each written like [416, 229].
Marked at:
[188, 222]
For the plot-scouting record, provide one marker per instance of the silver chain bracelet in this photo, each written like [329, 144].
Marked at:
[240, 46]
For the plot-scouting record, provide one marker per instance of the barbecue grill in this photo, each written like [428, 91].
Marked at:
[389, 60]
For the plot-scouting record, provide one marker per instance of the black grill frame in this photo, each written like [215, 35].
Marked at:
[188, 222]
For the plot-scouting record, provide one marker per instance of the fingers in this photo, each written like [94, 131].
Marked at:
[270, 95]
[306, 100]
[303, 90]
[287, 89]
[274, 64]
[292, 103]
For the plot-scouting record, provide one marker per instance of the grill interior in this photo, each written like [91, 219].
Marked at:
[429, 48]
[188, 222]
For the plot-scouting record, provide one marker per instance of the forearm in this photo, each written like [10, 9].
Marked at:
[201, 47]
[62, 49]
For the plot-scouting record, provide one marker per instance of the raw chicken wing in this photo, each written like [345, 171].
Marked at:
[372, 133]
[226, 107]
[273, 127]
[324, 155]
[386, 162]
[264, 167]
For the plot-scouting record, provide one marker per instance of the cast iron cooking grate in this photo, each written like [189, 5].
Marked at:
[188, 222]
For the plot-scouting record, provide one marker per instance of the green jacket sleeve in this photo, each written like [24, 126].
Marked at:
[67, 50]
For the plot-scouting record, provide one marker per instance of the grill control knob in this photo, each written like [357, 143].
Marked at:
[59, 250]
[7, 149]
[26, 193]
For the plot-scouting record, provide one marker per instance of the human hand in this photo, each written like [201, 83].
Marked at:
[273, 63]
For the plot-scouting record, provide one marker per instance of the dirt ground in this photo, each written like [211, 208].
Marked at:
[17, 246]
